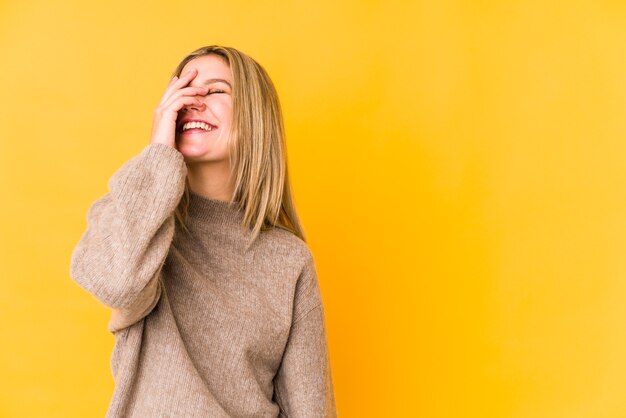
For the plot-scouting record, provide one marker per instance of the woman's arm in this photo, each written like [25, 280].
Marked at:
[303, 384]
[119, 257]
[129, 231]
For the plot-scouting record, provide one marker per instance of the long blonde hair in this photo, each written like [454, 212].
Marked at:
[257, 148]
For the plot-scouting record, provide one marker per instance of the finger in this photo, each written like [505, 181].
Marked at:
[179, 82]
[172, 81]
[178, 103]
[187, 91]
[186, 77]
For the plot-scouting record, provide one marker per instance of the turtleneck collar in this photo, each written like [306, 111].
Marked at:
[213, 210]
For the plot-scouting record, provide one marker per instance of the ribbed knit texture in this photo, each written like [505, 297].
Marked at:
[202, 328]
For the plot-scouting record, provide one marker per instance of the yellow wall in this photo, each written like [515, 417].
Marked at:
[459, 169]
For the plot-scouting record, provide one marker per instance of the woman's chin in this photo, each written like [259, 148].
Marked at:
[197, 153]
[192, 146]
[192, 152]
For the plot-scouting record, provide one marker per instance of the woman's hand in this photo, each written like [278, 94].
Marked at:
[175, 98]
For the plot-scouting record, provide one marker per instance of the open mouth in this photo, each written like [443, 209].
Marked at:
[196, 126]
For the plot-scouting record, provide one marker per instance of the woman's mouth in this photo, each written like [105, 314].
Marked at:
[197, 127]
[196, 131]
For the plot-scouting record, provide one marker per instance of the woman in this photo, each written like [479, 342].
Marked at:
[197, 248]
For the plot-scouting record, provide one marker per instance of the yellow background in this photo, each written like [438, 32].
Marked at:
[458, 167]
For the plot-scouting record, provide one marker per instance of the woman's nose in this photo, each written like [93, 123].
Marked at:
[195, 106]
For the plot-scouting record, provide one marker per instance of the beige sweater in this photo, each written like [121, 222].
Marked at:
[202, 328]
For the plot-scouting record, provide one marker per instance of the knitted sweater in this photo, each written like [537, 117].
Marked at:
[202, 328]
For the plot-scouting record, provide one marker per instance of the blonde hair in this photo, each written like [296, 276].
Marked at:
[257, 148]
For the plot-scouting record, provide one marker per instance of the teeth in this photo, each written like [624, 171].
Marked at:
[202, 125]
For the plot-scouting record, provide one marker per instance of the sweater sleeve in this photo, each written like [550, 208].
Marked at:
[119, 257]
[303, 384]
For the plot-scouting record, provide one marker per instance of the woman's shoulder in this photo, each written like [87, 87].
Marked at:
[286, 243]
